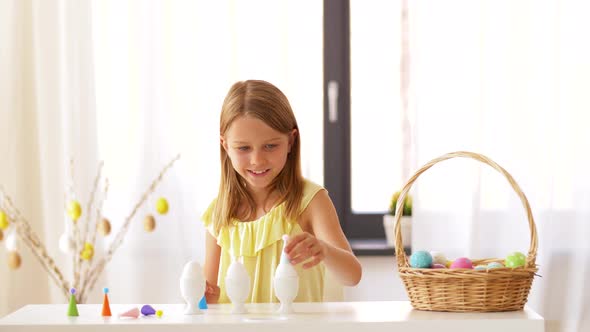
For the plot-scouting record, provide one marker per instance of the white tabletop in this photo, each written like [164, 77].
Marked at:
[308, 317]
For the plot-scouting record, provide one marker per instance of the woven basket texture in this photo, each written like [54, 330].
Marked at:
[467, 290]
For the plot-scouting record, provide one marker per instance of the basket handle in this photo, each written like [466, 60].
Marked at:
[402, 259]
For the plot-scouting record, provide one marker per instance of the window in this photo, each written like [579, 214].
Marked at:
[514, 88]
[362, 85]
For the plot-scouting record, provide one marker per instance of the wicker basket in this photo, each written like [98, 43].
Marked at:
[467, 290]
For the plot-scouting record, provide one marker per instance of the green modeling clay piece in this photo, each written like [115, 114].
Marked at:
[72, 308]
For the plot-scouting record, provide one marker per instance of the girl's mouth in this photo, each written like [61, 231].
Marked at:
[258, 173]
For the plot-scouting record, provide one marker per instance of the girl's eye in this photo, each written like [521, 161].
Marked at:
[270, 146]
[243, 148]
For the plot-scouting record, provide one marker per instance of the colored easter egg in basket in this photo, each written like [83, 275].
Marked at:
[462, 263]
[438, 258]
[438, 266]
[495, 265]
[480, 268]
[421, 259]
[515, 259]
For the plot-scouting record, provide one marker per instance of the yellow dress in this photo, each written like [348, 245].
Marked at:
[260, 244]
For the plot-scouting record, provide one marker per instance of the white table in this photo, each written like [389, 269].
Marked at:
[384, 316]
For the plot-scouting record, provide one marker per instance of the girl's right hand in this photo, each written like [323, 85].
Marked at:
[211, 293]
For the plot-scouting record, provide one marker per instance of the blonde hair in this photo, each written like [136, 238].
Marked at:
[263, 101]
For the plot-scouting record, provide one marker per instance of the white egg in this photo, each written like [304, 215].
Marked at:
[10, 242]
[438, 258]
[66, 244]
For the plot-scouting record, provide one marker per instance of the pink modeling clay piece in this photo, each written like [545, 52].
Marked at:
[133, 313]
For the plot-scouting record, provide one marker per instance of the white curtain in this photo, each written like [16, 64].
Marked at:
[162, 71]
[46, 117]
[508, 79]
[135, 84]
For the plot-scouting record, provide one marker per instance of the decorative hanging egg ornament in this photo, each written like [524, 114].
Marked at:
[4, 221]
[14, 260]
[162, 205]
[149, 223]
[88, 251]
[10, 242]
[66, 244]
[74, 210]
[86, 255]
[104, 227]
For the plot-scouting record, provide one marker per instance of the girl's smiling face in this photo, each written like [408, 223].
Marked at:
[257, 152]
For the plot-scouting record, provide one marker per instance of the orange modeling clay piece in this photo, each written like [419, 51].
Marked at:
[106, 309]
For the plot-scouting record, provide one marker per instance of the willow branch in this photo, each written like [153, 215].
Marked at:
[86, 272]
[84, 228]
[90, 205]
[97, 270]
[31, 239]
[75, 230]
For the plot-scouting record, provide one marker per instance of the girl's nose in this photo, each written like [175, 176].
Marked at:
[257, 157]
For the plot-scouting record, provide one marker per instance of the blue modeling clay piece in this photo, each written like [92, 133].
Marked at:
[203, 303]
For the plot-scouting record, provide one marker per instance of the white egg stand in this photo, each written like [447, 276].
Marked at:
[237, 285]
[192, 287]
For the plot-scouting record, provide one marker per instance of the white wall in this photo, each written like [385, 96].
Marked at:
[380, 281]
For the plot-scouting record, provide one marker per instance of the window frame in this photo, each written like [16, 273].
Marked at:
[360, 228]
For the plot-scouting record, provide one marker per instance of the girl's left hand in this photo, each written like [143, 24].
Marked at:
[304, 246]
[211, 292]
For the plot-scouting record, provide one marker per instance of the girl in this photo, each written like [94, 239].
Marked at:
[262, 195]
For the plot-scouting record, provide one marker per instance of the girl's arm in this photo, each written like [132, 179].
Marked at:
[211, 268]
[327, 243]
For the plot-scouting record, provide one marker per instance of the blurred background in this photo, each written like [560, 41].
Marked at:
[379, 88]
